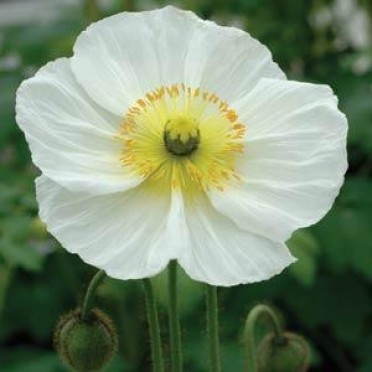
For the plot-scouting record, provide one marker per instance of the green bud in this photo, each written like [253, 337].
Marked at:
[85, 345]
[289, 353]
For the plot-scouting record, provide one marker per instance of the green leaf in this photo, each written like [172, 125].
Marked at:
[31, 360]
[15, 248]
[358, 109]
[340, 303]
[22, 255]
[305, 248]
[8, 83]
[346, 234]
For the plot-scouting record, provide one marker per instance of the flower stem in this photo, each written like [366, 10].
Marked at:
[174, 322]
[212, 328]
[90, 293]
[152, 316]
[253, 316]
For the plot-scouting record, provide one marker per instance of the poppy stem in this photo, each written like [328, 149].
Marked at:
[152, 316]
[90, 293]
[249, 332]
[212, 328]
[174, 322]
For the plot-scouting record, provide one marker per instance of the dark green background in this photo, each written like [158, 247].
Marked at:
[326, 296]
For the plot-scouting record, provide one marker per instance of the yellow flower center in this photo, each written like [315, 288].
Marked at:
[185, 137]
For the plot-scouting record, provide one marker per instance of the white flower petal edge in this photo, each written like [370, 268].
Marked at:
[134, 234]
[294, 160]
[121, 58]
[122, 233]
[222, 254]
[72, 140]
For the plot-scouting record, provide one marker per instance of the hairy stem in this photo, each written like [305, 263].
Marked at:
[174, 322]
[212, 328]
[249, 332]
[90, 293]
[152, 316]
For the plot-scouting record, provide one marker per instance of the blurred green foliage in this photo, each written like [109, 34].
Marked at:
[326, 295]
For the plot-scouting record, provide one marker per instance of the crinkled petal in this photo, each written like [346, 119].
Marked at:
[294, 160]
[125, 234]
[121, 58]
[134, 234]
[72, 140]
[220, 253]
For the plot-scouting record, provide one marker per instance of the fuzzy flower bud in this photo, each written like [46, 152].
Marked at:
[85, 345]
[290, 353]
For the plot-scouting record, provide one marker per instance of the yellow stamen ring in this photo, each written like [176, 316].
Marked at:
[186, 136]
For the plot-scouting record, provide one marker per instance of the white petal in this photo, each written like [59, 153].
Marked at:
[294, 160]
[122, 57]
[220, 253]
[134, 234]
[72, 140]
[123, 233]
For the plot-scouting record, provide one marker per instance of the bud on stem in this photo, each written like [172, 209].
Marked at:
[289, 354]
[86, 339]
[279, 351]
[85, 345]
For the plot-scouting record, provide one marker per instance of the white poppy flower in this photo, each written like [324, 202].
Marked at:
[168, 137]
